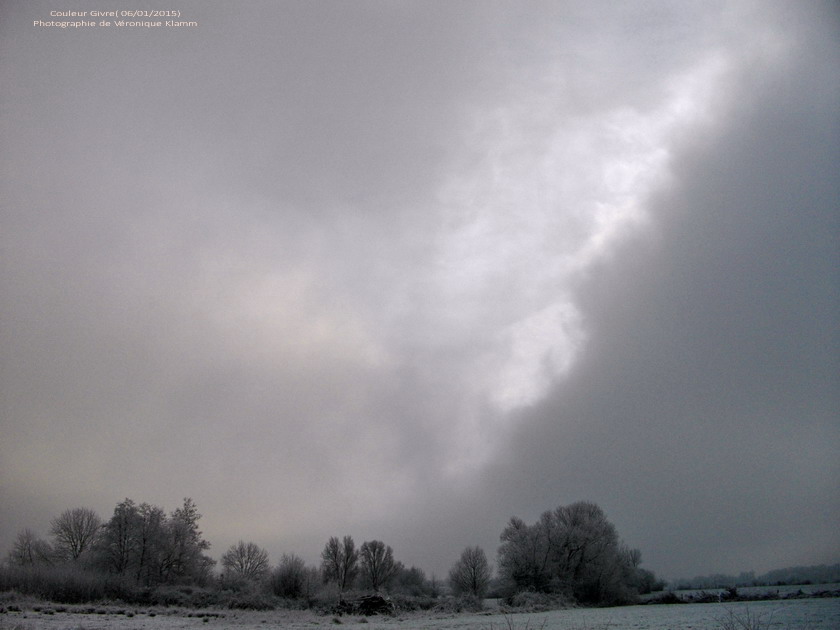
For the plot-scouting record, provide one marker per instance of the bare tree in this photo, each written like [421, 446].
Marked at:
[434, 586]
[471, 573]
[74, 532]
[378, 566]
[246, 561]
[29, 550]
[339, 562]
[293, 579]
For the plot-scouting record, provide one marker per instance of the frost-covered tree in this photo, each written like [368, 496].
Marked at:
[293, 579]
[339, 562]
[119, 541]
[378, 566]
[182, 556]
[411, 581]
[573, 550]
[150, 543]
[29, 550]
[246, 561]
[471, 573]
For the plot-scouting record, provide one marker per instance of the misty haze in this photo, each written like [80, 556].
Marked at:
[428, 307]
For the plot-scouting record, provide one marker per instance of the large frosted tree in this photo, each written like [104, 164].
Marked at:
[183, 556]
[246, 561]
[573, 550]
[119, 542]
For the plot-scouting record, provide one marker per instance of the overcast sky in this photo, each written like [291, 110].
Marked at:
[404, 269]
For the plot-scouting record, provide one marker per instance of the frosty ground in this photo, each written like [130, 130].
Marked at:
[810, 614]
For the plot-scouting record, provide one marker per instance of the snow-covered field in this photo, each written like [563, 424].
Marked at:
[805, 614]
[755, 591]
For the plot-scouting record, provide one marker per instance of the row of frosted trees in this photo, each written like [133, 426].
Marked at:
[140, 542]
[142, 548]
[369, 568]
[572, 551]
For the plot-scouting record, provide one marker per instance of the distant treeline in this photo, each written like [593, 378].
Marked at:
[144, 555]
[816, 574]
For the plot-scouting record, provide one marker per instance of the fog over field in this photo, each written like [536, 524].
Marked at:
[404, 269]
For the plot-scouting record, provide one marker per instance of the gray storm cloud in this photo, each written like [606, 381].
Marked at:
[402, 270]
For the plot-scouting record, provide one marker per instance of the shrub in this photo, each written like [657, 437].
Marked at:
[326, 597]
[745, 620]
[168, 596]
[462, 603]
[410, 603]
[64, 584]
[668, 597]
[528, 601]
[252, 600]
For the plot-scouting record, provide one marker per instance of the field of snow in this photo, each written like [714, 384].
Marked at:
[804, 614]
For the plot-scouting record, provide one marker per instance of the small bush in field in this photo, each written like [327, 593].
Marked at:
[746, 620]
[410, 603]
[326, 597]
[527, 601]
[252, 601]
[463, 603]
[168, 596]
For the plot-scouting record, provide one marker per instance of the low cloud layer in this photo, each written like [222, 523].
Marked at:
[403, 270]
